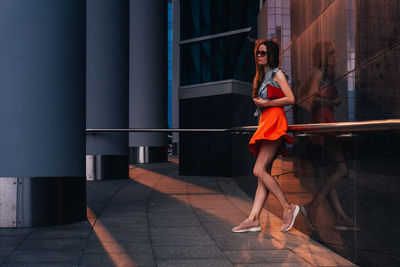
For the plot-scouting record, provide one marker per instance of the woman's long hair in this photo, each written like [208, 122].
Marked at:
[320, 54]
[272, 58]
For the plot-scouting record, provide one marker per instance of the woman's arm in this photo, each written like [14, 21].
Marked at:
[319, 101]
[288, 99]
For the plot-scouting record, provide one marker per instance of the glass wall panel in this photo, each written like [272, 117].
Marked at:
[217, 59]
[207, 17]
[304, 12]
[344, 60]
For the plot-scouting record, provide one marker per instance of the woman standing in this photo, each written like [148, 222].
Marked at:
[271, 91]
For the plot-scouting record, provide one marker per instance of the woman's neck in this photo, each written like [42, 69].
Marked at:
[266, 68]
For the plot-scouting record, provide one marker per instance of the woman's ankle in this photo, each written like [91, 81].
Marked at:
[287, 207]
[253, 218]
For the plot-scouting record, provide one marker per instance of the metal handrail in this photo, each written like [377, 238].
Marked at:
[375, 125]
[356, 126]
[157, 130]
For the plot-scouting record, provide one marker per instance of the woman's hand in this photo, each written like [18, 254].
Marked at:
[261, 102]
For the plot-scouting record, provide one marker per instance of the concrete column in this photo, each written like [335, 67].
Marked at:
[42, 112]
[148, 87]
[107, 87]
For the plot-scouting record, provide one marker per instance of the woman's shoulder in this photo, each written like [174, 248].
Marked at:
[281, 74]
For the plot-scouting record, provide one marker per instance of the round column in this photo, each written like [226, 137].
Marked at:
[42, 112]
[107, 88]
[148, 86]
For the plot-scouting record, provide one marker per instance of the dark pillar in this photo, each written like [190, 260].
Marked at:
[148, 79]
[42, 112]
[107, 88]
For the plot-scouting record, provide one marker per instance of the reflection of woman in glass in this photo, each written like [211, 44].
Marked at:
[324, 99]
[271, 91]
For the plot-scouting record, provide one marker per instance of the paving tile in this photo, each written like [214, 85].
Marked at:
[325, 259]
[122, 227]
[222, 217]
[217, 225]
[193, 263]
[60, 233]
[181, 241]
[15, 231]
[214, 197]
[54, 244]
[42, 264]
[71, 226]
[267, 264]
[157, 196]
[209, 252]
[170, 199]
[174, 222]
[116, 237]
[212, 219]
[5, 252]
[171, 216]
[45, 256]
[162, 205]
[123, 214]
[170, 209]
[262, 256]
[11, 241]
[221, 212]
[135, 219]
[131, 248]
[125, 207]
[211, 204]
[228, 234]
[132, 202]
[116, 259]
[238, 243]
[176, 231]
[218, 210]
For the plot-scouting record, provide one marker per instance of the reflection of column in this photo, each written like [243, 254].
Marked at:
[175, 72]
[42, 112]
[107, 82]
[148, 79]
[350, 55]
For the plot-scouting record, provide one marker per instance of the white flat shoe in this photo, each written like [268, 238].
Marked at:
[247, 226]
[294, 215]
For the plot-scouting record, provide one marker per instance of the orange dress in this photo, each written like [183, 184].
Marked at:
[272, 125]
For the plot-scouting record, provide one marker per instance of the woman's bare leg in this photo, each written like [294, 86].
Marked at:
[259, 200]
[266, 182]
[266, 155]
[261, 195]
[253, 220]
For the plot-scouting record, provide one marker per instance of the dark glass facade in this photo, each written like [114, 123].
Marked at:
[216, 72]
[228, 56]
[343, 57]
[217, 59]
[206, 17]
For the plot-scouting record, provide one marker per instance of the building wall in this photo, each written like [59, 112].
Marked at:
[216, 71]
[343, 57]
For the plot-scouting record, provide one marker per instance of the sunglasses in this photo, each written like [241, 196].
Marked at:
[261, 53]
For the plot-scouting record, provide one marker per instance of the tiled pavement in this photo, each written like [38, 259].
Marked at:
[158, 218]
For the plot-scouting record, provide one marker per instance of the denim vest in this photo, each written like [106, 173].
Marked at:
[269, 79]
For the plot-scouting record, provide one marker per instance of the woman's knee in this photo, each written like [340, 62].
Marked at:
[258, 172]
